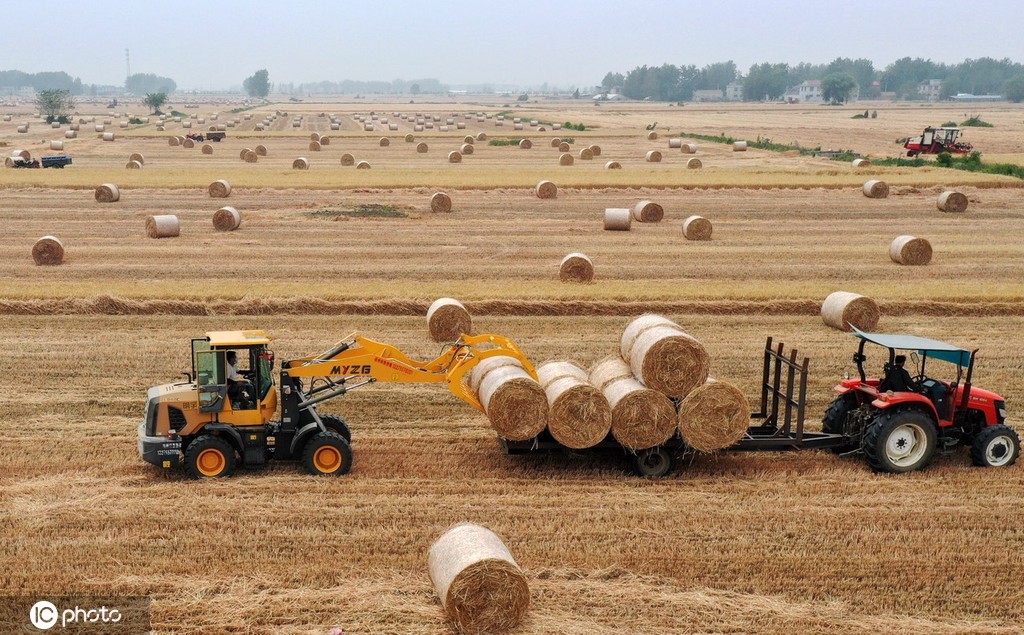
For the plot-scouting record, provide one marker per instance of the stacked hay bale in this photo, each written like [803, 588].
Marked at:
[842, 308]
[579, 414]
[663, 357]
[513, 401]
[641, 418]
[713, 416]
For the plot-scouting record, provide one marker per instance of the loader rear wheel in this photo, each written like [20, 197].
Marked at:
[337, 424]
[995, 446]
[900, 441]
[209, 456]
[835, 418]
[327, 454]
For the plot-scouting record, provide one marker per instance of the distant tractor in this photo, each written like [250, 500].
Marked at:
[937, 141]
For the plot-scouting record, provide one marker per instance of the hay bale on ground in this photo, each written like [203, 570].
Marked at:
[546, 189]
[70, 134]
[861, 163]
[648, 212]
[422, 147]
[694, 164]
[467, 148]
[384, 142]
[409, 138]
[586, 154]
[652, 135]
[207, 148]
[525, 144]
[514, 403]
[468, 139]
[57, 145]
[910, 250]
[109, 136]
[261, 150]
[480, 586]
[219, 189]
[301, 163]
[348, 159]
[663, 357]
[595, 150]
[578, 413]
[565, 159]
[714, 416]
[576, 267]
[842, 308]
[556, 143]
[653, 156]
[135, 156]
[314, 146]
[563, 147]
[163, 226]
[243, 152]
[875, 189]
[447, 319]
[133, 165]
[481, 136]
[675, 142]
[251, 157]
[48, 250]
[688, 148]
[227, 219]
[613, 165]
[454, 157]
[188, 143]
[641, 418]
[739, 146]
[697, 228]
[107, 193]
[440, 202]
[617, 219]
[953, 202]
[363, 165]
[325, 141]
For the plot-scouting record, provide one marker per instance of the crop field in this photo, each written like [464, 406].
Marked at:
[803, 542]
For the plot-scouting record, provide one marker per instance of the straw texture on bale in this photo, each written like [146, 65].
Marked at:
[24, 154]
[486, 365]
[70, 134]
[384, 142]
[314, 146]
[546, 189]
[48, 250]
[525, 144]
[468, 139]
[480, 586]
[188, 143]
[56, 145]
[910, 250]
[348, 159]
[586, 154]
[409, 138]
[108, 136]
[251, 157]
[617, 219]
[421, 147]
[133, 165]
[447, 319]
[953, 202]
[739, 146]
[514, 403]
[162, 226]
[481, 136]
[226, 219]
[207, 148]
[595, 150]
[454, 157]
[578, 413]
[242, 153]
[576, 267]
[563, 147]
[875, 189]
[613, 165]
[675, 142]
[861, 163]
[565, 159]
[261, 150]
[641, 418]
[174, 141]
[653, 156]
[219, 189]
[694, 164]
[663, 357]
[688, 148]
[648, 212]
[651, 136]
[467, 148]
[697, 228]
[440, 202]
[135, 156]
[842, 308]
[363, 165]
[107, 193]
[556, 143]
[714, 416]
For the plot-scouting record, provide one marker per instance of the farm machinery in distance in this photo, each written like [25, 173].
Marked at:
[937, 141]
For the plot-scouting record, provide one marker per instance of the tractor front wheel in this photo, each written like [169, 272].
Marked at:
[900, 441]
[327, 454]
[209, 456]
[995, 446]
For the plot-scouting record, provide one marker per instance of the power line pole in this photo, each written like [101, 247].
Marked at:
[127, 66]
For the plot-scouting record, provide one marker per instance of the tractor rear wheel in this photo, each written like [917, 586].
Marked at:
[327, 454]
[835, 418]
[337, 424]
[209, 456]
[995, 446]
[900, 441]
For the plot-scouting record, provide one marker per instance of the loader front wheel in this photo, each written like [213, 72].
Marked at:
[900, 441]
[327, 454]
[209, 456]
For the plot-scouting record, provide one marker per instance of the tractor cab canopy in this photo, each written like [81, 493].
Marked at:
[236, 339]
[932, 349]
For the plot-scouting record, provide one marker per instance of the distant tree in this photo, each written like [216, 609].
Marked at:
[576, 94]
[766, 81]
[143, 83]
[836, 88]
[414, 89]
[155, 100]
[523, 97]
[55, 104]
[612, 81]
[257, 84]
[1013, 89]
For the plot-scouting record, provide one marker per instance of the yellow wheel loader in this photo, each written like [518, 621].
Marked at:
[228, 415]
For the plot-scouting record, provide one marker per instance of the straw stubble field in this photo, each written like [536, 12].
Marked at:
[801, 542]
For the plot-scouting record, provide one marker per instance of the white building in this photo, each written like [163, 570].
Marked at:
[929, 89]
[809, 91]
[734, 92]
[708, 95]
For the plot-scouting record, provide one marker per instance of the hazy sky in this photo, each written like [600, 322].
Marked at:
[214, 45]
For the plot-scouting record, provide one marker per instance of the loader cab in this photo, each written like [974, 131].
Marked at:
[255, 362]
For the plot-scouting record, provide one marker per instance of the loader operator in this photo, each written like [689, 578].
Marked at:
[240, 391]
[897, 379]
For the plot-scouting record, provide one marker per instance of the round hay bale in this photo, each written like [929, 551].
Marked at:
[261, 150]
[576, 267]
[315, 136]
[454, 157]
[467, 148]
[163, 226]
[565, 159]
[243, 152]
[648, 212]
[910, 250]
[24, 129]
[447, 319]
[207, 148]
[546, 189]
[384, 142]
[739, 146]
[301, 163]
[325, 141]
[135, 156]
[563, 147]
[595, 150]
[641, 418]
[219, 189]
[688, 148]
[363, 165]
[486, 365]
[842, 308]
[410, 138]
[468, 139]
[697, 228]
[653, 156]
[556, 143]
[314, 146]
[173, 141]
[251, 157]
[107, 193]
[421, 148]
[617, 219]
[694, 164]
[48, 250]
[98, 128]
[481, 587]
[578, 413]
[514, 403]
[188, 143]
[861, 163]
[613, 165]
[713, 416]
[481, 136]
[663, 357]
[348, 159]
[675, 142]
[57, 145]
[652, 135]
[70, 134]
[24, 154]
[108, 136]
[525, 144]
[875, 189]
[226, 219]
[953, 202]
[586, 154]
[440, 202]
[133, 165]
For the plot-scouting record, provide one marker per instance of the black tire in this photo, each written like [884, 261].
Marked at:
[995, 446]
[653, 462]
[337, 424]
[900, 441]
[835, 418]
[210, 456]
[327, 454]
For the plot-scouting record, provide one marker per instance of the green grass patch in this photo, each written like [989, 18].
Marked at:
[976, 122]
[183, 115]
[364, 210]
[503, 142]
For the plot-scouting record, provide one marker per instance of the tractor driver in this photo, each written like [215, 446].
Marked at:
[897, 379]
[240, 391]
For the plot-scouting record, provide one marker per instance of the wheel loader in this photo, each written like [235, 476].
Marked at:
[201, 423]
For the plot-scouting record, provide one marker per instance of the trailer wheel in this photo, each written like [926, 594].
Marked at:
[209, 456]
[327, 454]
[900, 441]
[337, 424]
[653, 462]
[835, 418]
[995, 446]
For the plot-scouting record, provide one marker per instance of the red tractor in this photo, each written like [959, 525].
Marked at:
[900, 431]
[936, 141]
